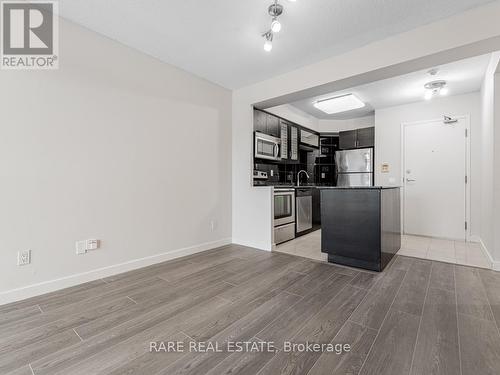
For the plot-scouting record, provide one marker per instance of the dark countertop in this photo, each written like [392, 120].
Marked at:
[288, 186]
[328, 187]
[305, 186]
[359, 187]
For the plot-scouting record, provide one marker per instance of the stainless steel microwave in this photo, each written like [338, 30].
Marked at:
[267, 147]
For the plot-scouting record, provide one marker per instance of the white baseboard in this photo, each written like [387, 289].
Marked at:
[474, 238]
[68, 281]
[495, 265]
[258, 246]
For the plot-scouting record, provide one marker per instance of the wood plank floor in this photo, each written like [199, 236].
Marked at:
[416, 317]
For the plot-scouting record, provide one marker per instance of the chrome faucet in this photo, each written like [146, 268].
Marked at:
[298, 175]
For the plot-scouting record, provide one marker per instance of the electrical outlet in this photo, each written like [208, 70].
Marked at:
[92, 244]
[85, 245]
[81, 247]
[23, 257]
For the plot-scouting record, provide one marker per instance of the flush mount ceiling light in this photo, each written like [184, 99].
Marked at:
[435, 88]
[275, 10]
[339, 104]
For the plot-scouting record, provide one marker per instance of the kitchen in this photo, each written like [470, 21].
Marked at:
[380, 136]
[299, 163]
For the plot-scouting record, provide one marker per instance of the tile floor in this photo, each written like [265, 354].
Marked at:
[458, 252]
[466, 253]
[308, 246]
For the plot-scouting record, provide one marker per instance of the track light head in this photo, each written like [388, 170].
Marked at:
[276, 25]
[268, 44]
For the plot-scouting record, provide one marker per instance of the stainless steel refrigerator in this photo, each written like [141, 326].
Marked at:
[354, 167]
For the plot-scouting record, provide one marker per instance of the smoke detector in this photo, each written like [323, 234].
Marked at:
[435, 88]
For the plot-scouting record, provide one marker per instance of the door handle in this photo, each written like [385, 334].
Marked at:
[410, 180]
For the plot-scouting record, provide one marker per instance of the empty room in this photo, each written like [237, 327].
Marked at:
[250, 187]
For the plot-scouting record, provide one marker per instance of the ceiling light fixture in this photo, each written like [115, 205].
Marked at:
[275, 10]
[339, 104]
[435, 88]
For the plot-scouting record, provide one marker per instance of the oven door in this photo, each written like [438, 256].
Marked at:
[284, 207]
[267, 147]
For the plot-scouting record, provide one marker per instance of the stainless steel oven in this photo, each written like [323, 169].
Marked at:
[267, 147]
[284, 215]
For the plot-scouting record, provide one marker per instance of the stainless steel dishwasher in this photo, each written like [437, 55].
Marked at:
[303, 209]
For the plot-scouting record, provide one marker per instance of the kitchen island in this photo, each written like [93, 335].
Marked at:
[361, 226]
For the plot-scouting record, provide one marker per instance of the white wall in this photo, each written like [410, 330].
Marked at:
[495, 252]
[490, 92]
[295, 115]
[114, 145]
[252, 206]
[350, 124]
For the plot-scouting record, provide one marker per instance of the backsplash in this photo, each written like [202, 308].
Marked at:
[319, 167]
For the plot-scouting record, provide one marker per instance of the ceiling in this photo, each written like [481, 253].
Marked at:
[220, 40]
[462, 77]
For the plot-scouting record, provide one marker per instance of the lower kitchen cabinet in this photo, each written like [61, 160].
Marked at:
[360, 227]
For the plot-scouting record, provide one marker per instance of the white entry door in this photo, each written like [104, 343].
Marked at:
[434, 172]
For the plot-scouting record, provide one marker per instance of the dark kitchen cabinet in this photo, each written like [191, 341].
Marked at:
[360, 227]
[348, 139]
[266, 123]
[260, 121]
[309, 138]
[366, 137]
[273, 125]
[359, 138]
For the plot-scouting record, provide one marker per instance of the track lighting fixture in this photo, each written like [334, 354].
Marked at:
[275, 10]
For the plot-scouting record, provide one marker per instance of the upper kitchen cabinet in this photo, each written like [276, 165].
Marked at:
[366, 137]
[273, 125]
[309, 138]
[359, 138]
[266, 123]
[348, 139]
[260, 121]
